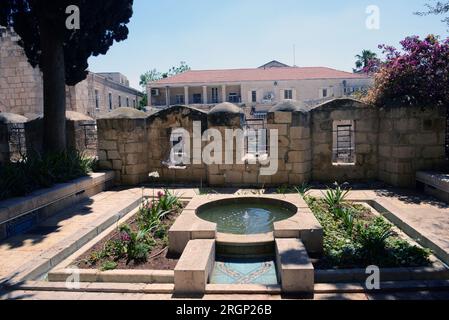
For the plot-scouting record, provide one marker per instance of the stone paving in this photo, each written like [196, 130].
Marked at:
[18, 253]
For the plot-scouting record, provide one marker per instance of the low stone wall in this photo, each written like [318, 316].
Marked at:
[365, 120]
[81, 134]
[160, 128]
[19, 214]
[385, 144]
[410, 140]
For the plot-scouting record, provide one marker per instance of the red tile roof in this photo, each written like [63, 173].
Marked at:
[272, 74]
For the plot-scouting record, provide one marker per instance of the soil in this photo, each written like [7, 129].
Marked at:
[158, 257]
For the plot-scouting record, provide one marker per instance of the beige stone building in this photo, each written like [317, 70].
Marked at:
[21, 89]
[260, 88]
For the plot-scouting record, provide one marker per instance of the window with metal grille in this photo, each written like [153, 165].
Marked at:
[344, 142]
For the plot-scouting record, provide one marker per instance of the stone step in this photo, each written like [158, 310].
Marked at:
[194, 267]
[97, 287]
[295, 269]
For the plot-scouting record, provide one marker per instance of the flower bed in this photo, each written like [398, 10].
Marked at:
[356, 238]
[141, 243]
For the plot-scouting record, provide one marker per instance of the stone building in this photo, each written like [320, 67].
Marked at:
[21, 88]
[259, 88]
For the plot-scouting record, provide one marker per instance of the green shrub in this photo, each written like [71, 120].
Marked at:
[108, 265]
[136, 244]
[373, 236]
[36, 171]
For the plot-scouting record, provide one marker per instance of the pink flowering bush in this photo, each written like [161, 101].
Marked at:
[416, 75]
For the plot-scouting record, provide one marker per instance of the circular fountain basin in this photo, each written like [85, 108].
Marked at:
[246, 216]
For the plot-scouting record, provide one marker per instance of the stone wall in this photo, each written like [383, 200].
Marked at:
[410, 140]
[366, 124]
[21, 90]
[4, 143]
[238, 172]
[81, 134]
[388, 145]
[294, 153]
[122, 145]
[160, 128]
[21, 86]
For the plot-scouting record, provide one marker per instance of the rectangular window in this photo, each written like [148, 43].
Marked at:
[110, 101]
[214, 95]
[344, 142]
[325, 93]
[197, 98]
[288, 94]
[180, 99]
[127, 102]
[119, 101]
[233, 97]
[97, 100]
[134, 103]
[254, 96]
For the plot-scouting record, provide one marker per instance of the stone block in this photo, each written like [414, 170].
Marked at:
[194, 268]
[114, 155]
[117, 164]
[295, 269]
[135, 147]
[299, 133]
[233, 177]
[281, 128]
[107, 145]
[283, 117]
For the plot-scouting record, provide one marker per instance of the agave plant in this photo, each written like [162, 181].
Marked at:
[335, 198]
[303, 189]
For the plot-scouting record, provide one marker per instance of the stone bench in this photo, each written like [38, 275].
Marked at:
[435, 184]
[194, 268]
[296, 272]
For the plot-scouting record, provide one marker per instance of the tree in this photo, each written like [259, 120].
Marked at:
[53, 41]
[438, 8]
[154, 75]
[417, 74]
[149, 76]
[363, 60]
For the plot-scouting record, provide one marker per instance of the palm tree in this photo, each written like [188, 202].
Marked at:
[364, 59]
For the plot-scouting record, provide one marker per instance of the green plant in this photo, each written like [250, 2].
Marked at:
[373, 236]
[36, 171]
[108, 265]
[334, 198]
[347, 216]
[283, 189]
[303, 189]
[136, 244]
[168, 201]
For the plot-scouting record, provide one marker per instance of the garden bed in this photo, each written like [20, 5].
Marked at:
[139, 244]
[355, 237]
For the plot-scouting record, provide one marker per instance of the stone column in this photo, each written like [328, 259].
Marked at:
[204, 94]
[186, 96]
[167, 96]
[223, 93]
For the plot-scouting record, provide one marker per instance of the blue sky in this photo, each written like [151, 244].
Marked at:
[217, 34]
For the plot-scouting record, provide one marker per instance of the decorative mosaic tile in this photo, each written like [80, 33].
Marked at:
[244, 272]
